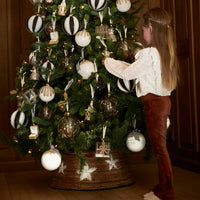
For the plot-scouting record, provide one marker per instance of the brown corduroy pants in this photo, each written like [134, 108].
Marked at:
[157, 108]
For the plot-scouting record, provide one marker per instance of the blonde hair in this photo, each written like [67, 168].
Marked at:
[163, 40]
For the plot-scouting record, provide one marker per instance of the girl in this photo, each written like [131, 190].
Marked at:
[156, 72]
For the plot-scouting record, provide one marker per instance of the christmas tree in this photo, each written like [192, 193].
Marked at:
[67, 101]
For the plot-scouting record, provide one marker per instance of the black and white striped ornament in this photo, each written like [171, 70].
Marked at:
[18, 119]
[71, 25]
[97, 4]
[47, 66]
[35, 24]
[126, 86]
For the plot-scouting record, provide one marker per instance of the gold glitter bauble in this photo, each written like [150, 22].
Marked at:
[109, 106]
[68, 126]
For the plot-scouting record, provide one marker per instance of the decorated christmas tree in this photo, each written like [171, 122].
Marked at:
[67, 101]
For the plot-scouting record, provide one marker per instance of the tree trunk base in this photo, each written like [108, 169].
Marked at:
[101, 178]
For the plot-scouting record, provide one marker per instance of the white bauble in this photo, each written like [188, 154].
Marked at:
[126, 86]
[83, 38]
[47, 65]
[71, 25]
[123, 5]
[135, 141]
[18, 119]
[97, 4]
[85, 68]
[46, 93]
[51, 159]
[35, 24]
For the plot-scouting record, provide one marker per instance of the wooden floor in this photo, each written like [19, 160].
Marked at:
[33, 185]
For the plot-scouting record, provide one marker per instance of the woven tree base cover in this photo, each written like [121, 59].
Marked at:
[101, 178]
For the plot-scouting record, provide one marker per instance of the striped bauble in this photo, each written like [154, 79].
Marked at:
[97, 4]
[126, 86]
[18, 119]
[35, 24]
[71, 25]
[47, 67]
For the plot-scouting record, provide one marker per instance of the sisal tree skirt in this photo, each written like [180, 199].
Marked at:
[104, 173]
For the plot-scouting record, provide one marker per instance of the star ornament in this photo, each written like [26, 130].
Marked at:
[112, 163]
[62, 168]
[86, 173]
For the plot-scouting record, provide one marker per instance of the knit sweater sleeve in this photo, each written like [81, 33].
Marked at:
[143, 62]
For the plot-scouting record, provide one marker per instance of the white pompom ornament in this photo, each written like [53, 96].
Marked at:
[85, 68]
[71, 25]
[97, 4]
[51, 159]
[135, 141]
[126, 86]
[83, 38]
[123, 5]
[35, 24]
[46, 93]
[18, 119]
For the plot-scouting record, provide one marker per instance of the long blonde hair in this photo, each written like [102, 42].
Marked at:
[163, 40]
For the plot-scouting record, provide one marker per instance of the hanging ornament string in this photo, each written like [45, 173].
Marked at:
[92, 91]
[38, 40]
[38, 9]
[53, 20]
[69, 84]
[134, 121]
[135, 131]
[48, 78]
[71, 9]
[104, 133]
[120, 34]
[125, 32]
[82, 53]
[108, 86]
[73, 48]
[101, 17]
[49, 52]
[67, 107]
[23, 80]
[80, 59]
[85, 23]
[109, 13]
[33, 111]
[66, 88]
[95, 65]
[65, 52]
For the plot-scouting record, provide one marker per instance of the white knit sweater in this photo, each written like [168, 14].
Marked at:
[146, 70]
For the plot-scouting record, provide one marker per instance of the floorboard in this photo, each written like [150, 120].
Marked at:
[33, 185]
